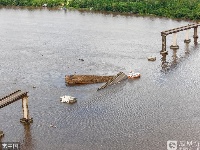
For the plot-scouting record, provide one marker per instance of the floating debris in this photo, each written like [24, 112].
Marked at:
[53, 126]
[151, 58]
[81, 59]
[133, 75]
[68, 99]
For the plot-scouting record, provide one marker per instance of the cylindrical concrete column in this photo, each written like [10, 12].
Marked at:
[195, 36]
[174, 44]
[25, 107]
[163, 45]
[26, 118]
[187, 40]
[174, 39]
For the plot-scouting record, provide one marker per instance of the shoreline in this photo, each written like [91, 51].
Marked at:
[85, 10]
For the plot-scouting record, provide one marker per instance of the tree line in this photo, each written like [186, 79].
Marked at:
[186, 9]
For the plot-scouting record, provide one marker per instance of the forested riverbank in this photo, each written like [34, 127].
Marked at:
[186, 9]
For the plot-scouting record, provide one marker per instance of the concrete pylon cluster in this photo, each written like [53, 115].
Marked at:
[174, 32]
[187, 40]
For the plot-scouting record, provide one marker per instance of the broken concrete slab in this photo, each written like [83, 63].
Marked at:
[116, 79]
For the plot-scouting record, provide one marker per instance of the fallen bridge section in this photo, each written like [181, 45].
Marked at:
[86, 79]
[15, 96]
[116, 79]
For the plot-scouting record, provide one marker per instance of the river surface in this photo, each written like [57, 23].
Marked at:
[39, 47]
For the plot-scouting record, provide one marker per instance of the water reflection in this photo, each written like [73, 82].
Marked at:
[187, 49]
[167, 65]
[164, 63]
[174, 58]
[195, 44]
[27, 141]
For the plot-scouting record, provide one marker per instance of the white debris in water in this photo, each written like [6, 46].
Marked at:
[51, 125]
[151, 58]
[67, 99]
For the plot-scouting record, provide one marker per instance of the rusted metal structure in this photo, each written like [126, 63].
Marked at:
[174, 32]
[15, 96]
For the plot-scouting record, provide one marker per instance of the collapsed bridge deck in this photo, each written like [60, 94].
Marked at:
[15, 96]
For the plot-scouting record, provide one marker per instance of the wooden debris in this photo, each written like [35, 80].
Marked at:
[86, 79]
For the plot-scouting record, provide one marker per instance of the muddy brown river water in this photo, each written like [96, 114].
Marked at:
[39, 47]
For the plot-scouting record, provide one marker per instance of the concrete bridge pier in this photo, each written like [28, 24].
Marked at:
[163, 51]
[174, 44]
[187, 40]
[195, 36]
[26, 118]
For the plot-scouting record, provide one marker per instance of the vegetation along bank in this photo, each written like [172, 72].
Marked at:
[185, 9]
